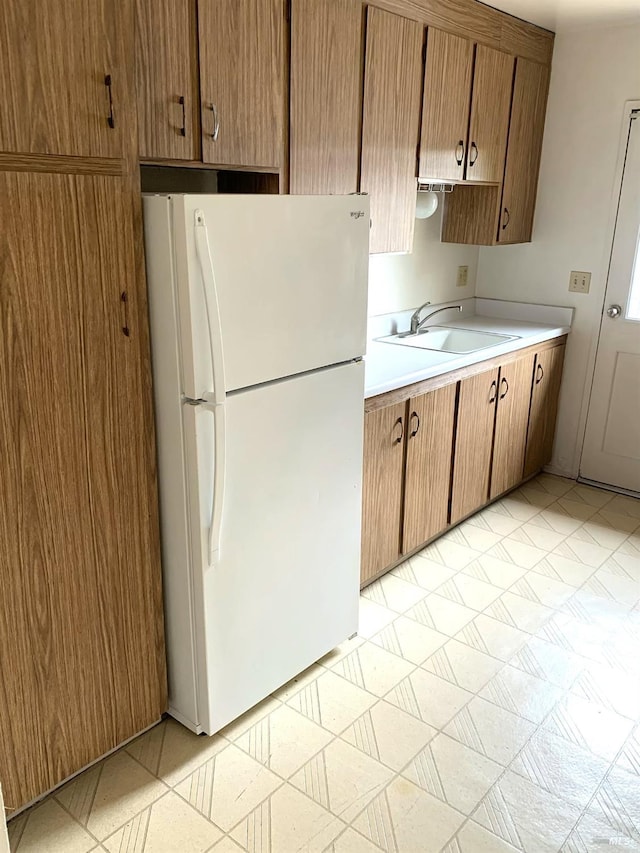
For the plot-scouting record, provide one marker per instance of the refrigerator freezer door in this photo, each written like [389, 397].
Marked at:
[284, 589]
[290, 274]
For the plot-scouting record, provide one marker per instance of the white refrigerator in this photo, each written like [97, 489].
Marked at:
[258, 328]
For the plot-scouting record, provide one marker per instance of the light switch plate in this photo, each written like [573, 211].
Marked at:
[463, 277]
[579, 282]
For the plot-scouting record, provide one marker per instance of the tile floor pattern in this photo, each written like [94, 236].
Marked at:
[491, 703]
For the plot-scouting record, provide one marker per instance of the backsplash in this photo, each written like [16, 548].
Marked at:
[402, 282]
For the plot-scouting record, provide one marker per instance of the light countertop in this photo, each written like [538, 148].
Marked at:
[389, 366]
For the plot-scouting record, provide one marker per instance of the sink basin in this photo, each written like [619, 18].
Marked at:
[445, 339]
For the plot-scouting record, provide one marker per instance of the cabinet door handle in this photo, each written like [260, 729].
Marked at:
[539, 374]
[492, 391]
[124, 299]
[472, 159]
[506, 388]
[506, 221]
[110, 118]
[459, 155]
[401, 436]
[183, 129]
[216, 122]
[414, 432]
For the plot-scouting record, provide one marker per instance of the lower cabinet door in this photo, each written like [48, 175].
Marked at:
[384, 434]
[512, 417]
[474, 441]
[544, 408]
[428, 467]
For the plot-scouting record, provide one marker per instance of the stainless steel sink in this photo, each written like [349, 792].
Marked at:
[446, 339]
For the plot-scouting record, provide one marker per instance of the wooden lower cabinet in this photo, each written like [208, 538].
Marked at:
[547, 376]
[434, 458]
[384, 431]
[512, 418]
[474, 442]
[428, 466]
[81, 630]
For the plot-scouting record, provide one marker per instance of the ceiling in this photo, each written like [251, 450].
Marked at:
[570, 14]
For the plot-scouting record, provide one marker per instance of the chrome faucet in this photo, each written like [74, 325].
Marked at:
[417, 323]
[415, 319]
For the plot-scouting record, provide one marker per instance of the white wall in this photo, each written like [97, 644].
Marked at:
[594, 72]
[429, 273]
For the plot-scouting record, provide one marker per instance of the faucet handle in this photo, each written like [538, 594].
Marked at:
[415, 317]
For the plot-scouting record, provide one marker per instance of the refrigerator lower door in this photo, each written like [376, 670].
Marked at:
[284, 586]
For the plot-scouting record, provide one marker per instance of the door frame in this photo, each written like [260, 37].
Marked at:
[614, 203]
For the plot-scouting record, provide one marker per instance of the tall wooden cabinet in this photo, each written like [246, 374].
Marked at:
[167, 80]
[391, 117]
[325, 96]
[65, 79]
[81, 651]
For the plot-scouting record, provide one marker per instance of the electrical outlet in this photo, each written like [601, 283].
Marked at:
[463, 277]
[579, 282]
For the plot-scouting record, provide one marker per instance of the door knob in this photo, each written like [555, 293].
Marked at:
[614, 311]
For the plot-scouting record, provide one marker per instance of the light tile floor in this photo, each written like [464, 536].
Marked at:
[491, 703]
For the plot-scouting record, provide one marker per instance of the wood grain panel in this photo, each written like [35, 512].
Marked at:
[490, 104]
[544, 409]
[166, 56]
[54, 56]
[471, 214]
[81, 644]
[392, 88]
[382, 489]
[445, 106]
[523, 152]
[428, 466]
[474, 442]
[512, 418]
[524, 39]
[326, 94]
[241, 46]
[406, 392]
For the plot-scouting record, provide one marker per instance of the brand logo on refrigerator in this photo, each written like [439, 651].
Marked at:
[357, 214]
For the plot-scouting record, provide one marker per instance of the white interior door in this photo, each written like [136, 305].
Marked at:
[611, 452]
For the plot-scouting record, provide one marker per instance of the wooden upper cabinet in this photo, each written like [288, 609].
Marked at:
[445, 106]
[166, 79]
[489, 125]
[428, 467]
[81, 638]
[547, 377]
[391, 116]
[474, 443]
[384, 432]
[66, 81]
[241, 46]
[325, 95]
[523, 151]
[512, 418]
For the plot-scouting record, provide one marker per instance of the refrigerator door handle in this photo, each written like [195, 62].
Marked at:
[219, 470]
[203, 252]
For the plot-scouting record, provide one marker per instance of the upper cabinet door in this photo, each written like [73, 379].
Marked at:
[325, 95]
[445, 106]
[166, 75]
[392, 88]
[65, 84]
[523, 151]
[241, 81]
[492, 83]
